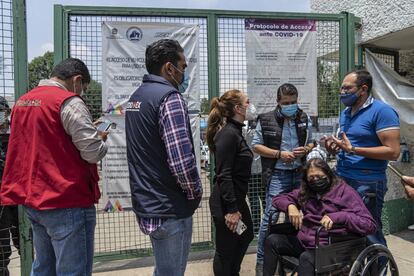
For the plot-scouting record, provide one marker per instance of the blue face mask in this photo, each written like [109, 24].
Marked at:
[289, 110]
[185, 81]
[349, 99]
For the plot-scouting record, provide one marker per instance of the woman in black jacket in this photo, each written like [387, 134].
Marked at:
[233, 159]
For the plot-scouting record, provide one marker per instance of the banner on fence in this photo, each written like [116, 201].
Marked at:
[281, 51]
[123, 66]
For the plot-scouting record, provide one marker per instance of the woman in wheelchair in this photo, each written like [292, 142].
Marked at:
[324, 200]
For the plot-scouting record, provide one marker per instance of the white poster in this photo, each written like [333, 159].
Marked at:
[123, 66]
[281, 51]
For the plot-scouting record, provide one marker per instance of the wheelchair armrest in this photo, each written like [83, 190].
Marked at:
[336, 238]
[286, 228]
[341, 238]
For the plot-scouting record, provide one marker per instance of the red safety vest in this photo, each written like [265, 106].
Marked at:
[44, 169]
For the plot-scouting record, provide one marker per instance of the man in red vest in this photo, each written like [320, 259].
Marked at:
[51, 170]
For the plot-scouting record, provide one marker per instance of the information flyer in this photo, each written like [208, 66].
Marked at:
[277, 52]
[123, 66]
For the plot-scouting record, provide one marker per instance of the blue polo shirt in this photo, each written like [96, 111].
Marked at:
[362, 128]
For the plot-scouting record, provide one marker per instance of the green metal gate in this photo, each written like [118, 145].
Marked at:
[222, 67]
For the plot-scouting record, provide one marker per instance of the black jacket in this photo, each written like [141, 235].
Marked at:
[233, 160]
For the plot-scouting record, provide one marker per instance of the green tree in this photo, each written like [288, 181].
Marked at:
[328, 88]
[40, 68]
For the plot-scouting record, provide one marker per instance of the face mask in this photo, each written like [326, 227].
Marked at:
[185, 81]
[251, 113]
[349, 99]
[289, 110]
[320, 185]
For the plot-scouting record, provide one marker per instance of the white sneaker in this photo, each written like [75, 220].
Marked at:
[411, 227]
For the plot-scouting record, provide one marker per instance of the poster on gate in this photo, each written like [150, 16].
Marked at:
[281, 51]
[123, 66]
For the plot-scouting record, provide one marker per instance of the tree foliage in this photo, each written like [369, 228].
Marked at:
[40, 68]
[328, 88]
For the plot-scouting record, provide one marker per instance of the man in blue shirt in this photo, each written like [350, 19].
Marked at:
[281, 139]
[369, 136]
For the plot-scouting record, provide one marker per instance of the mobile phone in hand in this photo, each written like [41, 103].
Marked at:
[241, 227]
[103, 127]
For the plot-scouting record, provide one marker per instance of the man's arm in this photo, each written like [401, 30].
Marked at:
[175, 133]
[77, 122]
[390, 149]
[262, 150]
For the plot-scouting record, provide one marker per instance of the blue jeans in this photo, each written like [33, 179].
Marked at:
[63, 241]
[283, 181]
[372, 193]
[171, 243]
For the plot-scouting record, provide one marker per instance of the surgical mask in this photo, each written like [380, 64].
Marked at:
[289, 110]
[185, 81]
[320, 185]
[251, 113]
[349, 99]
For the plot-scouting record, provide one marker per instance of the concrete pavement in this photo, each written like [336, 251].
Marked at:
[401, 245]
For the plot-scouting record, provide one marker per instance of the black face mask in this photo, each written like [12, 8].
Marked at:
[320, 185]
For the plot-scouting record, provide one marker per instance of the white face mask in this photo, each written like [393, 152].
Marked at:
[251, 113]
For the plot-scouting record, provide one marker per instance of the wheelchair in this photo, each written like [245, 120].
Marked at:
[343, 255]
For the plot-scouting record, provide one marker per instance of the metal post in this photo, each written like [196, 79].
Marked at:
[20, 87]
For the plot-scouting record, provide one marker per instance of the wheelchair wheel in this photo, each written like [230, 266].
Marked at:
[367, 262]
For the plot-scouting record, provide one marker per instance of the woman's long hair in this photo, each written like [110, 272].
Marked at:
[305, 191]
[220, 109]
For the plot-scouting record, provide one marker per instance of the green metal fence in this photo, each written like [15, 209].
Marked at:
[222, 67]
[13, 83]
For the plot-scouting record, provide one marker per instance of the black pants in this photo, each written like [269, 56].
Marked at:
[282, 245]
[9, 226]
[256, 194]
[231, 247]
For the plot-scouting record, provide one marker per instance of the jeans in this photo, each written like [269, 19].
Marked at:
[372, 193]
[63, 241]
[171, 243]
[283, 181]
[231, 247]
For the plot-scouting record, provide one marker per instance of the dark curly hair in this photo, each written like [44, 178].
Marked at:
[305, 191]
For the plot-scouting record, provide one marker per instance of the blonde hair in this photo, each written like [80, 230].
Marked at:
[220, 109]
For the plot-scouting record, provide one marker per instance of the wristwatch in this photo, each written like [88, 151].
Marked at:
[352, 152]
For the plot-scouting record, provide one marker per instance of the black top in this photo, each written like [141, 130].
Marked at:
[233, 160]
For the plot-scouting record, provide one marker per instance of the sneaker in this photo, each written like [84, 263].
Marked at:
[259, 269]
[411, 227]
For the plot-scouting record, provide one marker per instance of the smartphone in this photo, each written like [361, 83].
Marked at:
[396, 171]
[241, 227]
[103, 127]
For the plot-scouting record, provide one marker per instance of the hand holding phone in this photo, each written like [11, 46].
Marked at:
[241, 227]
[103, 127]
